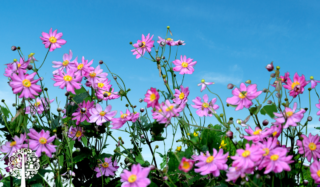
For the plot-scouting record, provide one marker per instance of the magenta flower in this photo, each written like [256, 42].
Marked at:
[11, 147]
[95, 75]
[68, 80]
[38, 107]
[25, 84]
[204, 84]
[292, 118]
[84, 68]
[134, 116]
[275, 130]
[142, 46]
[284, 79]
[205, 108]
[184, 65]
[82, 113]
[53, 39]
[106, 168]
[99, 116]
[181, 96]
[186, 165]
[137, 177]
[243, 97]
[211, 163]
[297, 86]
[310, 147]
[152, 97]
[268, 145]
[168, 41]
[313, 82]
[69, 174]
[41, 142]
[66, 64]
[119, 122]
[276, 161]
[75, 133]
[318, 106]
[14, 67]
[315, 171]
[235, 172]
[110, 94]
[247, 158]
[164, 112]
[102, 84]
[257, 135]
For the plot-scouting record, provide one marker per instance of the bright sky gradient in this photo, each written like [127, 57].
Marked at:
[232, 41]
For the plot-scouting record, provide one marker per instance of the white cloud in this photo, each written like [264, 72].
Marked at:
[234, 75]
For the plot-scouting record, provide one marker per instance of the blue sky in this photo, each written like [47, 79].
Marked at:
[232, 41]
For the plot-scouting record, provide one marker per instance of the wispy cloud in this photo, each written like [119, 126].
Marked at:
[233, 75]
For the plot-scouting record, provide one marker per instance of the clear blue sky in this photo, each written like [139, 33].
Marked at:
[232, 41]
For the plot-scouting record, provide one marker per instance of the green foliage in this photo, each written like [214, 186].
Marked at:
[211, 138]
[269, 109]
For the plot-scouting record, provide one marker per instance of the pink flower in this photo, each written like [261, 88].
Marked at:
[235, 172]
[66, 64]
[205, 108]
[204, 84]
[25, 84]
[247, 158]
[181, 96]
[318, 106]
[95, 75]
[11, 147]
[39, 106]
[184, 65]
[297, 86]
[164, 112]
[137, 177]
[106, 168]
[68, 80]
[82, 113]
[142, 46]
[102, 84]
[275, 130]
[52, 39]
[310, 147]
[110, 94]
[152, 97]
[99, 116]
[119, 122]
[313, 82]
[41, 142]
[276, 161]
[243, 97]
[211, 163]
[284, 79]
[315, 171]
[76, 133]
[14, 67]
[134, 116]
[267, 146]
[168, 41]
[292, 118]
[84, 68]
[186, 165]
[257, 135]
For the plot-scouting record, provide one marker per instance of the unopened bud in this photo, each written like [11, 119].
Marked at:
[15, 60]
[239, 121]
[105, 95]
[265, 90]
[29, 67]
[248, 82]
[157, 146]
[163, 57]
[140, 100]
[13, 48]
[278, 67]
[305, 182]
[309, 118]
[230, 86]
[269, 102]
[230, 134]
[100, 62]
[273, 75]
[59, 109]
[130, 43]
[237, 128]
[158, 59]
[241, 136]
[278, 95]
[309, 89]
[265, 122]
[152, 167]
[141, 109]
[270, 67]
[165, 178]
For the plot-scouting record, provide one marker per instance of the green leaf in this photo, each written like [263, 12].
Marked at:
[157, 128]
[84, 141]
[80, 97]
[211, 138]
[80, 157]
[255, 110]
[5, 111]
[61, 160]
[157, 138]
[173, 162]
[37, 185]
[269, 109]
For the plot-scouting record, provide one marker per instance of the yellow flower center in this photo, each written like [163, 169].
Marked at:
[143, 44]
[205, 105]
[246, 153]
[289, 113]
[257, 132]
[294, 84]
[181, 95]
[185, 165]
[67, 78]
[123, 116]
[100, 84]
[266, 151]
[13, 143]
[242, 95]
[169, 39]
[160, 110]
[92, 74]
[109, 93]
[274, 133]
[80, 66]
[195, 134]
[169, 108]
[152, 97]
[26, 83]
[53, 39]
[65, 63]
[102, 113]
[42, 140]
[318, 173]
[184, 64]
[105, 165]
[132, 178]
[78, 134]
[19, 65]
[312, 146]
[274, 157]
[37, 104]
[209, 159]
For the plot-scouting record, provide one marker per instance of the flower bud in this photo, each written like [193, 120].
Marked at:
[230, 86]
[309, 118]
[248, 82]
[164, 76]
[72, 103]
[54, 130]
[29, 67]
[278, 95]
[140, 100]
[100, 62]
[158, 59]
[141, 109]
[273, 75]
[162, 43]
[180, 42]
[45, 89]
[221, 115]
[88, 84]
[15, 60]
[13, 48]
[163, 57]
[142, 136]
[237, 128]
[270, 67]
[2, 100]
[239, 121]
[265, 122]
[130, 43]
[157, 146]
[258, 176]
[230, 134]
[278, 67]
[165, 178]
[265, 90]
[241, 136]
[127, 105]
[59, 109]
[305, 182]
[168, 27]
[269, 102]
[41, 78]
[152, 167]
[122, 93]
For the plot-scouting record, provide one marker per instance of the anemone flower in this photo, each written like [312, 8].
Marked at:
[11, 147]
[100, 116]
[138, 176]
[66, 64]
[184, 65]
[41, 142]
[25, 84]
[67, 80]
[292, 118]
[53, 39]
[205, 108]
[142, 46]
[309, 146]
[297, 86]
[151, 97]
